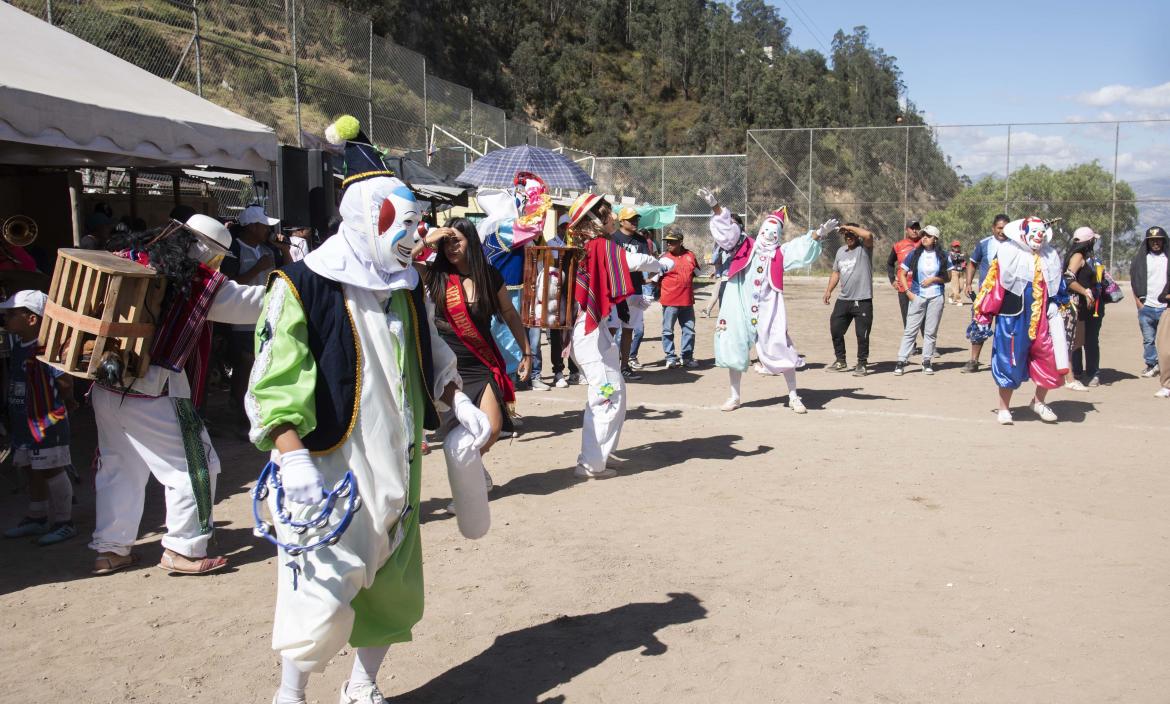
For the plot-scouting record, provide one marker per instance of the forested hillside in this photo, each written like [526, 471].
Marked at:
[647, 76]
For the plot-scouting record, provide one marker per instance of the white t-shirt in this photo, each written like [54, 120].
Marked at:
[1155, 279]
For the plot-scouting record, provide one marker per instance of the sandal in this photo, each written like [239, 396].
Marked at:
[113, 562]
[203, 565]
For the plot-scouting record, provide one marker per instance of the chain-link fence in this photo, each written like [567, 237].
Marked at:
[294, 65]
[673, 180]
[1104, 175]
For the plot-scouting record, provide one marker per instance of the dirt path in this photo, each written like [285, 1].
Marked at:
[892, 545]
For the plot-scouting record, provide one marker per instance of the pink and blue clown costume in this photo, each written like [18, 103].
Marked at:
[752, 311]
[1024, 291]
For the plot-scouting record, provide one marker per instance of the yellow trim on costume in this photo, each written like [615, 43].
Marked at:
[418, 347]
[988, 284]
[363, 176]
[357, 389]
[1037, 297]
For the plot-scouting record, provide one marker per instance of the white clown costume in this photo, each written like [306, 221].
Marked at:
[752, 312]
[348, 358]
[603, 281]
[151, 427]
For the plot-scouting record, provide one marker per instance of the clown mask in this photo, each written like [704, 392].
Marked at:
[1032, 232]
[382, 217]
[772, 229]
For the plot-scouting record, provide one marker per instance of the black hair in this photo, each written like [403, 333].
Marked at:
[1081, 248]
[737, 220]
[1002, 217]
[486, 301]
[182, 212]
[168, 256]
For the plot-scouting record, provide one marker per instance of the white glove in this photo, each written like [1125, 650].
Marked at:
[301, 481]
[708, 197]
[827, 227]
[666, 263]
[470, 417]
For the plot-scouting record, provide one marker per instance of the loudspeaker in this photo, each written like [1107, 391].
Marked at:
[306, 188]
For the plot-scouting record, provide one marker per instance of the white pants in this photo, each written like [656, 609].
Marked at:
[139, 437]
[597, 358]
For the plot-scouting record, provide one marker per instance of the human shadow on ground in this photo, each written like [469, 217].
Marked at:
[1112, 376]
[521, 666]
[1068, 410]
[629, 461]
[544, 427]
[815, 399]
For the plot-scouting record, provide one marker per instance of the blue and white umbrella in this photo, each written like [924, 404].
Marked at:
[498, 168]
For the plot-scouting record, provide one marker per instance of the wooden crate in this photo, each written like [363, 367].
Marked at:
[103, 299]
[539, 263]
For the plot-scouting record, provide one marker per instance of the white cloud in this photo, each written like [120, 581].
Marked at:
[1153, 97]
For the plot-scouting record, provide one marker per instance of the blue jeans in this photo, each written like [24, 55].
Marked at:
[1148, 321]
[636, 338]
[685, 315]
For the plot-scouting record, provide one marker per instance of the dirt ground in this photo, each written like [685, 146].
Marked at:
[892, 545]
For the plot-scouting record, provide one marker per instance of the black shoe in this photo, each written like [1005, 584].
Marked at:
[927, 367]
[838, 366]
[899, 369]
[630, 374]
[860, 369]
[971, 366]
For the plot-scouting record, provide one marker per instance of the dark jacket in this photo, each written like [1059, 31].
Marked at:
[911, 263]
[1137, 274]
[231, 265]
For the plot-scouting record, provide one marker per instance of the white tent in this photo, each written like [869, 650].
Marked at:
[65, 102]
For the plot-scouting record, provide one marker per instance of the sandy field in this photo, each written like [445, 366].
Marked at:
[892, 545]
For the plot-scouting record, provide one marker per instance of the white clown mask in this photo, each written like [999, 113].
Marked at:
[380, 218]
[1031, 232]
[772, 229]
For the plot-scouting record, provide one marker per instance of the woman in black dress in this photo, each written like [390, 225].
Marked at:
[467, 292]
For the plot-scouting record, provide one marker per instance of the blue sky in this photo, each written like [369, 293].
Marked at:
[993, 62]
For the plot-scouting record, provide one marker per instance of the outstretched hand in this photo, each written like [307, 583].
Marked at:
[828, 227]
[708, 197]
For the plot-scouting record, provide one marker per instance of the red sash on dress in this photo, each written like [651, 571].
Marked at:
[485, 350]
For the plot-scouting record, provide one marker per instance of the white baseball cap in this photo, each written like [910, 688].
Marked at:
[1084, 234]
[255, 214]
[931, 230]
[211, 229]
[30, 299]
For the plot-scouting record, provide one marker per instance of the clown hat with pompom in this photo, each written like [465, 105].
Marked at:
[362, 159]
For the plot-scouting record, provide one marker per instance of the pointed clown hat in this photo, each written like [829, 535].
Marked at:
[362, 159]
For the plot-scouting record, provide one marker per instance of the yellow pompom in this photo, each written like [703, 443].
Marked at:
[343, 129]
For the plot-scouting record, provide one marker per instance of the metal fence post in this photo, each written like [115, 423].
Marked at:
[49, 11]
[905, 179]
[426, 118]
[810, 177]
[370, 79]
[296, 73]
[662, 184]
[1007, 170]
[1113, 213]
[198, 53]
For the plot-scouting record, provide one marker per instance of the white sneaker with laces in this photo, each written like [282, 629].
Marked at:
[1004, 417]
[796, 404]
[1041, 409]
[365, 694]
[635, 364]
[1151, 371]
[1076, 385]
[560, 382]
[539, 385]
[1162, 393]
[730, 404]
[586, 473]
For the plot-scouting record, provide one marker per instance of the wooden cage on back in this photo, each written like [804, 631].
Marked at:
[550, 279]
[100, 303]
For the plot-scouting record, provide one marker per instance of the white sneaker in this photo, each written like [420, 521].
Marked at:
[1162, 393]
[1004, 417]
[635, 364]
[1094, 381]
[1151, 371]
[539, 385]
[586, 473]
[366, 694]
[1041, 409]
[560, 382]
[730, 404]
[800, 363]
[1076, 385]
[796, 404]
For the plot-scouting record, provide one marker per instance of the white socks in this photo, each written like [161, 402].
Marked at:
[61, 497]
[734, 377]
[292, 684]
[366, 662]
[790, 379]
